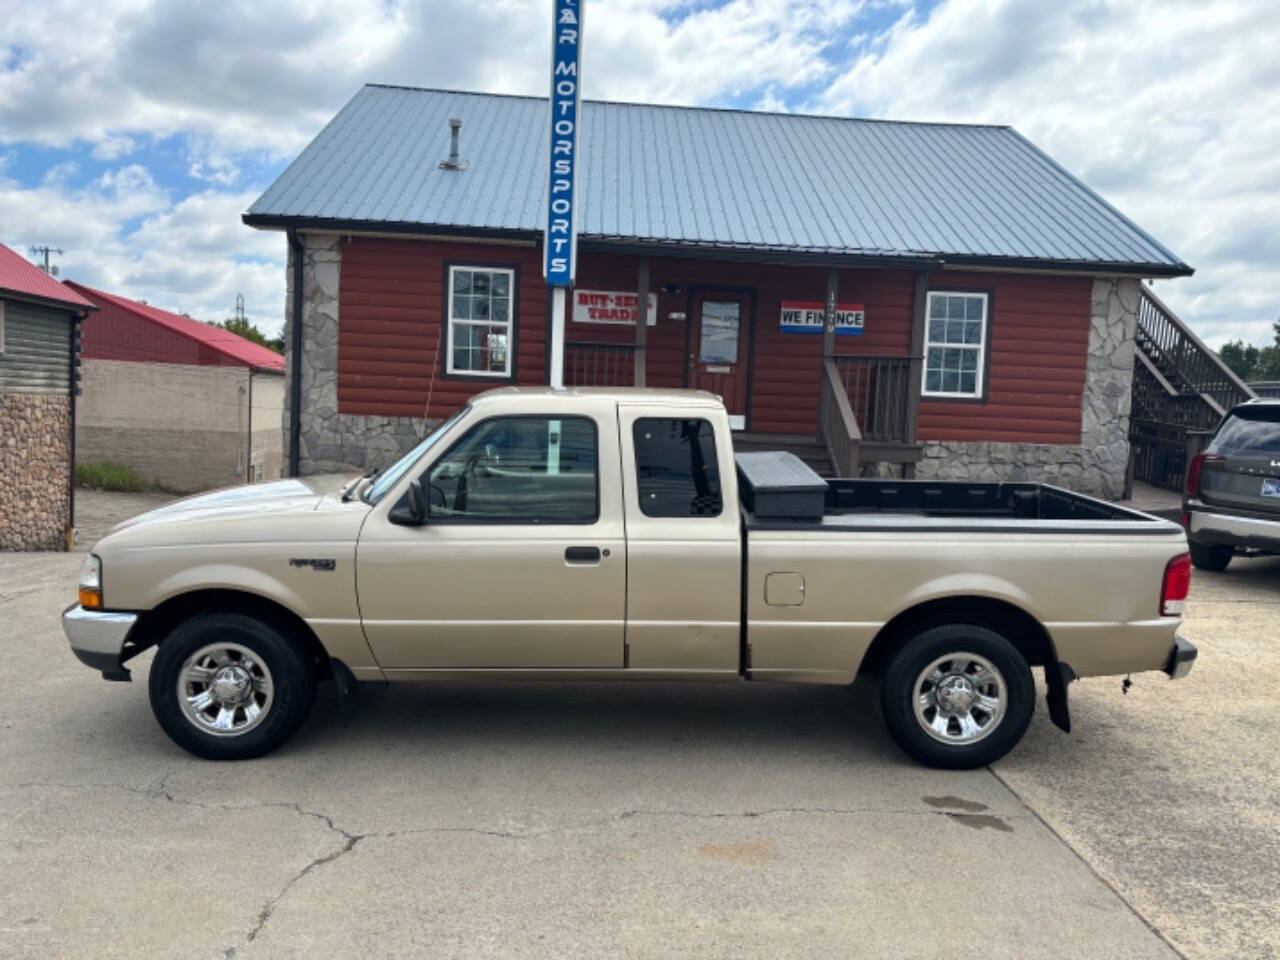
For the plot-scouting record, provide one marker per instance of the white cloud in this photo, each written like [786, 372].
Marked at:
[1169, 108]
[113, 146]
[124, 234]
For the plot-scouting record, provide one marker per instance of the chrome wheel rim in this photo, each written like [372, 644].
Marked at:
[960, 698]
[225, 689]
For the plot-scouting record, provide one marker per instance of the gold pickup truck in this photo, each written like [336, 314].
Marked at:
[611, 535]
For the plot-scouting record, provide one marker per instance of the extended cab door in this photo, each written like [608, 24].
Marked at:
[521, 562]
[684, 546]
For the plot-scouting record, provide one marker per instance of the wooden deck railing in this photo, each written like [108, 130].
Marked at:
[599, 364]
[1183, 359]
[1181, 390]
[879, 392]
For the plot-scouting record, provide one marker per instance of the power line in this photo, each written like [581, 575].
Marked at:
[45, 251]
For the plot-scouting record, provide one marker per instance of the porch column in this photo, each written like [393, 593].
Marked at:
[642, 319]
[915, 375]
[829, 321]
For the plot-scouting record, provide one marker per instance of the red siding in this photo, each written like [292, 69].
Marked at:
[1039, 343]
[114, 333]
[390, 341]
[392, 299]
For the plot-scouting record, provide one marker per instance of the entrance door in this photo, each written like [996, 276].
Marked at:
[718, 350]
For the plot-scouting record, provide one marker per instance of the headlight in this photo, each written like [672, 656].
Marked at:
[91, 583]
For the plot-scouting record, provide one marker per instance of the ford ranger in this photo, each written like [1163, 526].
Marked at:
[610, 534]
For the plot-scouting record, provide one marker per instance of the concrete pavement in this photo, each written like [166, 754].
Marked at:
[640, 820]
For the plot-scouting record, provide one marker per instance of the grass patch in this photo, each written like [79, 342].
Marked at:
[111, 476]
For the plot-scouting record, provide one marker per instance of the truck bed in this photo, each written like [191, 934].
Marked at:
[779, 491]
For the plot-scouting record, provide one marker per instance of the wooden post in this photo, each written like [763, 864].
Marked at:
[915, 375]
[829, 321]
[642, 319]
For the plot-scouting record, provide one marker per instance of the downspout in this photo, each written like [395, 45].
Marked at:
[248, 445]
[295, 352]
[73, 390]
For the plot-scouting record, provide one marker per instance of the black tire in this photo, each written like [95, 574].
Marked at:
[898, 686]
[288, 665]
[1206, 556]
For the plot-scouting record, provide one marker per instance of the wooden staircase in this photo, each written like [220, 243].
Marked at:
[1181, 389]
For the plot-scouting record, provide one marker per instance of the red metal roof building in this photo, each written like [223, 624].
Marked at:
[127, 329]
[22, 279]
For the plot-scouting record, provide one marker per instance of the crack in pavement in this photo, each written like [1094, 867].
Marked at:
[161, 791]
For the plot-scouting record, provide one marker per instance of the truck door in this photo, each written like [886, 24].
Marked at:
[683, 540]
[521, 562]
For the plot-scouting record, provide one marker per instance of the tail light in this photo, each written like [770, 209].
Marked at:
[1176, 586]
[1193, 473]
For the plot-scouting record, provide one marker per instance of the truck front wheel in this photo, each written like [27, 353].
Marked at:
[226, 686]
[957, 696]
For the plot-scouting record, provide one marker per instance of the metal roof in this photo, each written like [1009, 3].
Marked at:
[22, 278]
[728, 179]
[229, 344]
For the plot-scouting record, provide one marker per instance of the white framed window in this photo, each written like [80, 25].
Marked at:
[955, 346]
[481, 311]
[1, 326]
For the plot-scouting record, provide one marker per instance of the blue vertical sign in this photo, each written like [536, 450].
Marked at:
[560, 253]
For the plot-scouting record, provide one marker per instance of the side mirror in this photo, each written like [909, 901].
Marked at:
[411, 511]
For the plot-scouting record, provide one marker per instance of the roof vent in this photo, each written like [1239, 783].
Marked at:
[454, 162]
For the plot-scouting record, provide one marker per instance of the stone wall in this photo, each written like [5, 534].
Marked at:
[1097, 464]
[333, 442]
[35, 471]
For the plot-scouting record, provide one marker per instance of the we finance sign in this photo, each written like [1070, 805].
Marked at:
[805, 316]
[560, 252]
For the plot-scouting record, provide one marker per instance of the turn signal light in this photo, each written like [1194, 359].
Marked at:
[1193, 472]
[1176, 586]
[90, 599]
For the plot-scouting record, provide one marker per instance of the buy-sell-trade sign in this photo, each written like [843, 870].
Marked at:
[560, 252]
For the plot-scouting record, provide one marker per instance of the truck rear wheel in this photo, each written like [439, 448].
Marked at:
[226, 686]
[957, 696]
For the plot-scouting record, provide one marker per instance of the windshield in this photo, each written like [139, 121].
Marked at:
[391, 476]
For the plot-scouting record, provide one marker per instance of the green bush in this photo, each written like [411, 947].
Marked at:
[111, 476]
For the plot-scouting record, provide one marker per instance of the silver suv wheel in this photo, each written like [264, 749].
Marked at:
[960, 698]
[225, 689]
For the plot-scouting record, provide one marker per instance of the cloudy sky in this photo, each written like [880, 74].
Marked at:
[133, 133]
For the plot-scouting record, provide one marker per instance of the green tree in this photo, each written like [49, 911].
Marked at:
[245, 328]
[1241, 357]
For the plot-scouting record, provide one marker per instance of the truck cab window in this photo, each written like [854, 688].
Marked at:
[518, 470]
[677, 474]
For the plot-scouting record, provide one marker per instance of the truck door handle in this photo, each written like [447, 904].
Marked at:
[581, 554]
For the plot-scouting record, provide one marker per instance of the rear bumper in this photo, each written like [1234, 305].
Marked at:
[97, 638]
[1209, 525]
[1181, 659]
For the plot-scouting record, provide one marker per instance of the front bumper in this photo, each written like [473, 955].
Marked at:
[97, 638]
[1206, 525]
[1181, 659]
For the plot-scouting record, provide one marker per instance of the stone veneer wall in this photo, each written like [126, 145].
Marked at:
[333, 442]
[35, 468]
[1098, 463]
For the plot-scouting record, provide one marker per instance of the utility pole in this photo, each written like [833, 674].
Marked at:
[45, 251]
